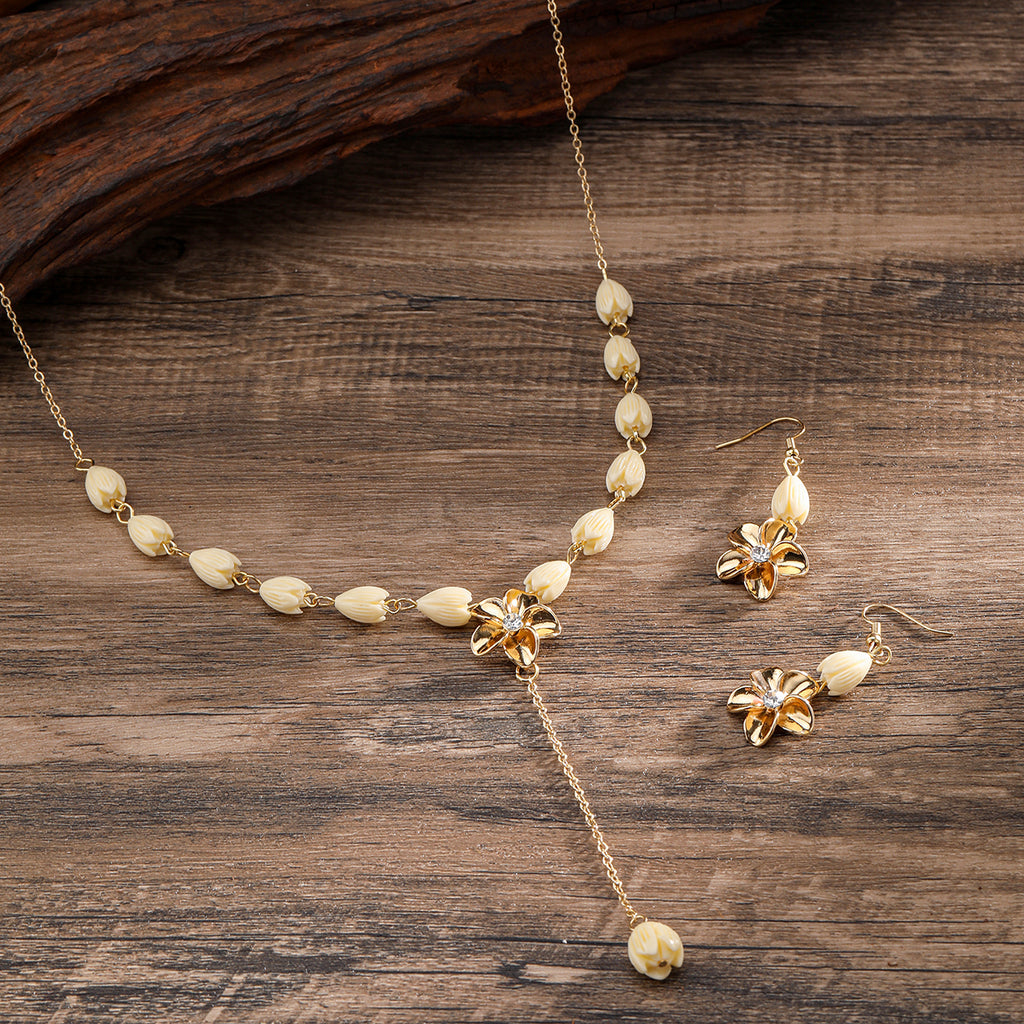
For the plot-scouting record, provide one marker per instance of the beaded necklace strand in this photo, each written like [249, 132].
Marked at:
[514, 623]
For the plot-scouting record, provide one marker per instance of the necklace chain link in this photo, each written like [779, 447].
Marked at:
[574, 133]
[81, 462]
[530, 678]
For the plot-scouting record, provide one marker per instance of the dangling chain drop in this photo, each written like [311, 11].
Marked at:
[529, 676]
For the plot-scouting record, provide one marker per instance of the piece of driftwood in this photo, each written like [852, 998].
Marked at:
[114, 114]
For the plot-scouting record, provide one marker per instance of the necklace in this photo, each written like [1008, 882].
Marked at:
[515, 623]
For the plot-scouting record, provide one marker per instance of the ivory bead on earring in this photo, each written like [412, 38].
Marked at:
[613, 302]
[633, 415]
[626, 473]
[447, 606]
[149, 534]
[104, 486]
[285, 594]
[844, 670]
[548, 580]
[593, 530]
[215, 567]
[621, 357]
[791, 502]
[363, 604]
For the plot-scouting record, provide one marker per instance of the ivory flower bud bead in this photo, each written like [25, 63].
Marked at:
[149, 534]
[104, 487]
[593, 530]
[844, 670]
[447, 606]
[215, 567]
[791, 502]
[620, 357]
[626, 473]
[548, 581]
[654, 949]
[633, 414]
[363, 604]
[285, 594]
[613, 302]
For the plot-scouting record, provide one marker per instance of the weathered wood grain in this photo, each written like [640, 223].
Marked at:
[164, 104]
[392, 374]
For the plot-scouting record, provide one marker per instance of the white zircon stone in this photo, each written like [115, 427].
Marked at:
[512, 623]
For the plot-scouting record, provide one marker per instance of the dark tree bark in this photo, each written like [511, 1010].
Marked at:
[114, 114]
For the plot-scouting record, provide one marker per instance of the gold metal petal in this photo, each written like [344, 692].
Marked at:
[771, 677]
[775, 532]
[486, 637]
[758, 681]
[759, 725]
[746, 537]
[796, 716]
[522, 646]
[732, 563]
[515, 602]
[489, 608]
[743, 698]
[797, 684]
[790, 559]
[543, 620]
[760, 580]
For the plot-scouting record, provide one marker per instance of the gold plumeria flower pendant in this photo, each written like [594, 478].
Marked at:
[761, 554]
[775, 698]
[516, 623]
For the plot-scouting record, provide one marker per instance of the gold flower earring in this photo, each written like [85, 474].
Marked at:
[778, 698]
[761, 554]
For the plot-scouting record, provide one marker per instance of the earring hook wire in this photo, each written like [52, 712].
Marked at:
[876, 627]
[764, 426]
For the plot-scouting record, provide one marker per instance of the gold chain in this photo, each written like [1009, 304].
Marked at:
[81, 462]
[574, 132]
[529, 676]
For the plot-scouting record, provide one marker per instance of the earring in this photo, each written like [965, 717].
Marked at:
[781, 698]
[761, 554]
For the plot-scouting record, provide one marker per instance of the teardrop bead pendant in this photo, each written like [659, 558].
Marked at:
[447, 606]
[593, 530]
[791, 502]
[548, 581]
[633, 416]
[285, 594]
[104, 486]
[149, 534]
[654, 949]
[626, 473]
[614, 304]
[215, 567]
[363, 604]
[842, 671]
[621, 357]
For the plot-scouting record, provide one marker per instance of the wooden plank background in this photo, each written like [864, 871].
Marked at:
[392, 374]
